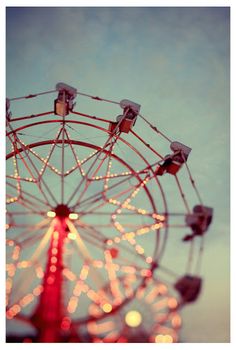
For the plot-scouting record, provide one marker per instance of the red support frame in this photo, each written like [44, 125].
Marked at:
[48, 316]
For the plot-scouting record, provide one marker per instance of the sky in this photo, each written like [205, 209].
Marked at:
[175, 63]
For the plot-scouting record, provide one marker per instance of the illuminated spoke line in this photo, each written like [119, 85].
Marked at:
[30, 202]
[112, 176]
[97, 196]
[84, 251]
[27, 204]
[87, 257]
[24, 147]
[31, 238]
[17, 213]
[15, 309]
[40, 179]
[19, 290]
[86, 233]
[30, 227]
[104, 213]
[109, 164]
[78, 162]
[43, 243]
[14, 177]
[87, 181]
[99, 297]
[89, 233]
[112, 201]
[31, 233]
[111, 272]
[37, 225]
[46, 160]
[119, 204]
[28, 277]
[85, 178]
[25, 193]
[18, 185]
[99, 178]
[11, 274]
[19, 297]
[20, 201]
[33, 260]
[124, 204]
[120, 239]
[93, 240]
[16, 172]
[100, 193]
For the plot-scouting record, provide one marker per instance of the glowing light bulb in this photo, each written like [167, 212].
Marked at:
[51, 214]
[72, 236]
[107, 308]
[73, 216]
[161, 338]
[133, 318]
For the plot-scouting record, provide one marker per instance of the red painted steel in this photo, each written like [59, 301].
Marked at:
[50, 310]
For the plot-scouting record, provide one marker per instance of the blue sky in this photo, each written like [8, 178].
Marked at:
[175, 63]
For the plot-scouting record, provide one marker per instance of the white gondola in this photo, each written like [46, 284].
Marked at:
[125, 122]
[173, 162]
[65, 100]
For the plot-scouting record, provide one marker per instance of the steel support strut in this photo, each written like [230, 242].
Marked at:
[50, 312]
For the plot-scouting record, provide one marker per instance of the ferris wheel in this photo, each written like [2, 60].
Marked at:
[93, 203]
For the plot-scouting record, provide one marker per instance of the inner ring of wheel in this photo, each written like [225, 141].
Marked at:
[88, 145]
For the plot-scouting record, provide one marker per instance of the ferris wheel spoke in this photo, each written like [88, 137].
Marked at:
[111, 269]
[93, 232]
[86, 175]
[77, 161]
[30, 203]
[98, 279]
[31, 228]
[31, 240]
[46, 160]
[94, 236]
[27, 204]
[25, 194]
[99, 194]
[110, 201]
[23, 149]
[104, 242]
[39, 182]
[63, 161]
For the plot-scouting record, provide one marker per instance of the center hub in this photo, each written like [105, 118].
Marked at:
[62, 211]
